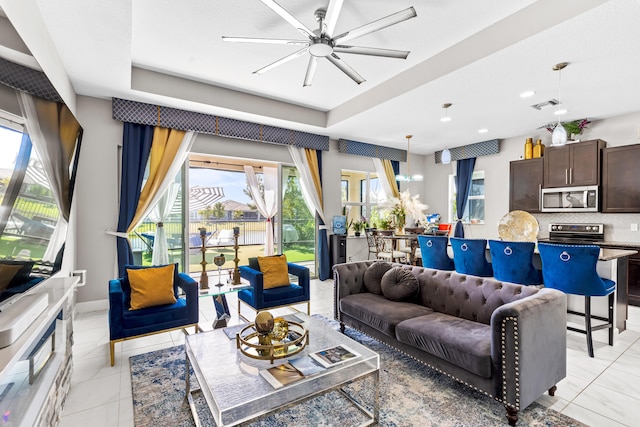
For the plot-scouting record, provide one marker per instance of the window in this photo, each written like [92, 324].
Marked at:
[362, 194]
[474, 210]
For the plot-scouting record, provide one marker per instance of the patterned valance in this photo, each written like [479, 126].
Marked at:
[370, 150]
[28, 80]
[149, 114]
[478, 149]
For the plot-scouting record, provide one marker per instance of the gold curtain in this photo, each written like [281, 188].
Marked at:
[164, 148]
[390, 177]
[312, 161]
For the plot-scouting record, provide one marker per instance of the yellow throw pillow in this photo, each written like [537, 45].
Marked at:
[151, 286]
[275, 271]
[7, 273]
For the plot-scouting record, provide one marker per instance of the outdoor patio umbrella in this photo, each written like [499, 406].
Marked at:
[203, 197]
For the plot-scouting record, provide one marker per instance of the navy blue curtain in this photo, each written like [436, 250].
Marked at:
[464, 172]
[395, 164]
[324, 263]
[136, 146]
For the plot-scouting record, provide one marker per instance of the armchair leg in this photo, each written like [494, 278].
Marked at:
[587, 321]
[112, 350]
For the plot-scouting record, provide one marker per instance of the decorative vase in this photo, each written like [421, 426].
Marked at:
[357, 234]
[401, 221]
[528, 149]
[538, 149]
[559, 135]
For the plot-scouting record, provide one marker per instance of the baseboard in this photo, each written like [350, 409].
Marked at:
[86, 307]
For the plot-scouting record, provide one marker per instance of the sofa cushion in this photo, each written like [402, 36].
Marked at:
[464, 343]
[379, 312]
[399, 284]
[373, 276]
[468, 297]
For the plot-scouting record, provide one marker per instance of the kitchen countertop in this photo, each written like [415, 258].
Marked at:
[607, 254]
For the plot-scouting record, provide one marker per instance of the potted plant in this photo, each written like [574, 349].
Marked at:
[358, 226]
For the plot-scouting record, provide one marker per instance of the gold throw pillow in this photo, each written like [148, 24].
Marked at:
[275, 271]
[151, 286]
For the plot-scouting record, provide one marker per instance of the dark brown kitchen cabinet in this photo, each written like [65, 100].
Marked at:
[525, 181]
[621, 179]
[573, 165]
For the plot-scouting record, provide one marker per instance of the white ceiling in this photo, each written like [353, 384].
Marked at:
[478, 55]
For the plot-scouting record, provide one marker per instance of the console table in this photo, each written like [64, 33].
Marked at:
[35, 371]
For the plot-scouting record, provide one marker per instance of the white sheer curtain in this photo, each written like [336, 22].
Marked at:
[267, 205]
[382, 178]
[306, 181]
[161, 204]
[46, 141]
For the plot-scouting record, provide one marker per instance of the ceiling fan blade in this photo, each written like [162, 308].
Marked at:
[373, 51]
[335, 60]
[288, 17]
[281, 61]
[393, 19]
[311, 70]
[330, 20]
[266, 41]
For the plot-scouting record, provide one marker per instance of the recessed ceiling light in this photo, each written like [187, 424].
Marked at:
[560, 112]
[483, 130]
[445, 119]
[527, 94]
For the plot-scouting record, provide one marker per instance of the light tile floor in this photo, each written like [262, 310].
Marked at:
[602, 392]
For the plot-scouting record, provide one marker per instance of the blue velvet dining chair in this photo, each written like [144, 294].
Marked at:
[469, 257]
[433, 251]
[259, 297]
[126, 322]
[572, 270]
[513, 262]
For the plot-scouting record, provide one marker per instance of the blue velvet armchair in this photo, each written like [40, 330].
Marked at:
[259, 298]
[125, 324]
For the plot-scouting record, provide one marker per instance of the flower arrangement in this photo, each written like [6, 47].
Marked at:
[405, 206]
[574, 127]
[358, 225]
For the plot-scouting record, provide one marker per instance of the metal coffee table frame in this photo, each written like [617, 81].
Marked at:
[235, 393]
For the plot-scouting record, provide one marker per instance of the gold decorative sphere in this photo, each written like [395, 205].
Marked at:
[264, 322]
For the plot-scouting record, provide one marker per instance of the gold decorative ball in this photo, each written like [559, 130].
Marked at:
[264, 322]
[280, 329]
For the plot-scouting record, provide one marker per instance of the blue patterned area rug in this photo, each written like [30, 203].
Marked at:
[411, 394]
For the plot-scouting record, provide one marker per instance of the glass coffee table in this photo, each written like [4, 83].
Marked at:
[235, 392]
[218, 293]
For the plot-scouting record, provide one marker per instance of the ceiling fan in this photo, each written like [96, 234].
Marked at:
[321, 43]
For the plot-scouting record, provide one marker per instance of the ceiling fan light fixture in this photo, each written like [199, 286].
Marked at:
[321, 48]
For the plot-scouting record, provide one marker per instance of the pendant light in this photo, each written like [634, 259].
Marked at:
[445, 156]
[559, 135]
[408, 177]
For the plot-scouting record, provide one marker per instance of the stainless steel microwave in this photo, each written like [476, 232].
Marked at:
[570, 199]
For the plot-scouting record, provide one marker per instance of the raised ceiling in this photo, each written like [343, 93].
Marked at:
[478, 55]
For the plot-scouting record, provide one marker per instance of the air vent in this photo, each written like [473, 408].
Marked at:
[545, 104]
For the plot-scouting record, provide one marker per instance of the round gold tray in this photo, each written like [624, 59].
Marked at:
[247, 341]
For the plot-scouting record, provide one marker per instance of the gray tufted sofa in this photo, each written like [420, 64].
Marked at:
[506, 340]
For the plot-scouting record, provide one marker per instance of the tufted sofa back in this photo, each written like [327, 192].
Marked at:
[468, 297]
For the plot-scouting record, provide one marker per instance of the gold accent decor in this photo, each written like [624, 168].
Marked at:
[518, 226]
[265, 346]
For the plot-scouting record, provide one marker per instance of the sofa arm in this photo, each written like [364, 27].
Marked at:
[348, 279]
[529, 346]
[116, 309]
[190, 288]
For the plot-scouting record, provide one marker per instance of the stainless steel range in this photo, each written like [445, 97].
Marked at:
[576, 233]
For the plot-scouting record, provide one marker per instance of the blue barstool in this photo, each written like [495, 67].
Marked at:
[513, 262]
[469, 257]
[572, 270]
[433, 250]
